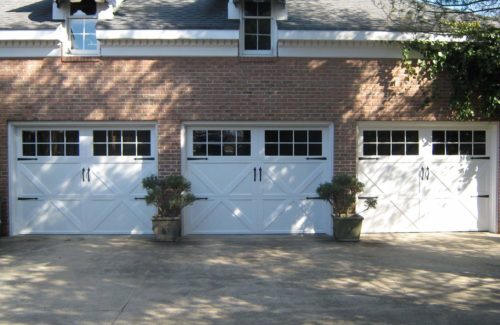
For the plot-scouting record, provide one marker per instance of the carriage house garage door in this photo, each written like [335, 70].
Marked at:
[429, 177]
[81, 179]
[257, 179]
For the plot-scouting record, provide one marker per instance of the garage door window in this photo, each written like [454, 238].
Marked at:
[221, 142]
[454, 142]
[122, 142]
[293, 142]
[50, 143]
[390, 143]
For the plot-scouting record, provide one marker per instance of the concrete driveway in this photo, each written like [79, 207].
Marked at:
[399, 279]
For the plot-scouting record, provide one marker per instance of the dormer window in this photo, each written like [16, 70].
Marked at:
[82, 23]
[257, 27]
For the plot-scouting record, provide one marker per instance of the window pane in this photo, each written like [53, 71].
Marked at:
[229, 149]
[465, 136]
[271, 149]
[315, 136]
[128, 136]
[57, 136]
[286, 149]
[451, 149]
[398, 149]
[451, 136]
[228, 136]
[466, 149]
[250, 26]
[77, 26]
[286, 136]
[99, 150]
[384, 149]
[114, 149]
[411, 136]
[214, 150]
[114, 136]
[144, 149]
[315, 150]
[384, 136]
[437, 136]
[264, 43]
[264, 26]
[90, 26]
[479, 136]
[264, 8]
[479, 149]
[250, 8]
[271, 136]
[369, 149]
[438, 149]
[214, 136]
[29, 150]
[143, 136]
[72, 150]
[72, 136]
[243, 149]
[90, 42]
[77, 42]
[128, 149]
[99, 136]
[199, 136]
[43, 150]
[398, 136]
[300, 136]
[244, 136]
[369, 136]
[199, 149]
[250, 42]
[28, 136]
[43, 136]
[58, 149]
[412, 149]
[300, 149]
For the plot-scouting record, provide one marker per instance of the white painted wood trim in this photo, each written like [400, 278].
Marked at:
[144, 34]
[12, 174]
[305, 35]
[27, 35]
[494, 148]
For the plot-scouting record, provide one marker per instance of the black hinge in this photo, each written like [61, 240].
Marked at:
[480, 158]
[140, 198]
[368, 158]
[144, 158]
[484, 195]
[313, 198]
[193, 158]
[316, 158]
[27, 198]
[201, 198]
[19, 159]
[367, 197]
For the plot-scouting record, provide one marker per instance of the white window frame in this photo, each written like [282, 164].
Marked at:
[274, 31]
[81, 16]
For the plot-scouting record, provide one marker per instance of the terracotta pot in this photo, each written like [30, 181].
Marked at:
[167, 229]
[347, 229]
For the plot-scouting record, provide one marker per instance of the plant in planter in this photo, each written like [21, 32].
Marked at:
[341, 194]
[169, 195]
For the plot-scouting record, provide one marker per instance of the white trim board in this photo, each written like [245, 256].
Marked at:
[151, 34]
[305, 35]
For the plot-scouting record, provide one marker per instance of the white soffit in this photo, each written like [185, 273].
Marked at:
[147, 34]
[298, 35]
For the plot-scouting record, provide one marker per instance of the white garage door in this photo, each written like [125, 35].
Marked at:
[257, 180]
[82, 180]
[427, 178]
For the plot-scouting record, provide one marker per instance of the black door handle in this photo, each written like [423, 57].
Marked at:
[260, 174]
[255, 174]
[83, 174]
[421, 173]
[88, 175]
[427, 173]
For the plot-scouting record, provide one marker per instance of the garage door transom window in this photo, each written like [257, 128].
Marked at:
[464, 142]
[122, 142]
[293, 142]
[222, 142]
[390, 143]
[50, 143]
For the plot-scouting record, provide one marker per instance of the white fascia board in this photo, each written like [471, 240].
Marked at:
[361, 36]
[32, 35]
[152, 34]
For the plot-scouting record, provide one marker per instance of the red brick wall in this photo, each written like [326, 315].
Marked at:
[172, 90]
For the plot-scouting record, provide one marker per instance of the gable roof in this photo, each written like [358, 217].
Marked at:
[26, 14]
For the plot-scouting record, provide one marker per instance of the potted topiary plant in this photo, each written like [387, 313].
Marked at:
[341, 194]
[169, 195]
